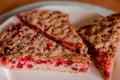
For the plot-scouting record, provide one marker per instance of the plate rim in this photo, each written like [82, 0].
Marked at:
[37, 4]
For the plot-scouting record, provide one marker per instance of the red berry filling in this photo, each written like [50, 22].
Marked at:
[48, 45]
[29, 65]
[83, 69]
[19, 65]
[75, 69]
[107, 74]
[73, 46]
[58, 64]
[3, 60]
[107, 65]
[69, 62]
[44, 62]
[39, 61]
[46, 28]
[39, 22]
[12, 61]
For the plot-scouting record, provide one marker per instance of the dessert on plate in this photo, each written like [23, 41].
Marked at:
[46, 40]
[102, 38]
[56, 25]
[26, 47]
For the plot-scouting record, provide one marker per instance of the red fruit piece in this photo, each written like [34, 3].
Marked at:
[46, 28]
[107, 74]
[29, 65]
[103, 56]
[39, 62]
[49, 61]
[58, 64]
[69, 62]
[3, 60]
[17, 35]
[48, 45]
[75, 69]
[39, 22]
[12, 61]
[19, 65]
[28, 58]
[83, 69]
[44, 61]
[23, 60]
[107, 65]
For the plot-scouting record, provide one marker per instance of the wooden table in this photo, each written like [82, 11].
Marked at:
[6, 5]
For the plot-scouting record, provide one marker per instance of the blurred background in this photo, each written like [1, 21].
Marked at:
[6, 5]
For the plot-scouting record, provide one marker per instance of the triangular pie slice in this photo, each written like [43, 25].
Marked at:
[25, 47]
[102, 37]
[56, 25]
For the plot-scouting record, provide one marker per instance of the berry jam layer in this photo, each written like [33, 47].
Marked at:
[55, 64]
[56, 25]
[23, 47]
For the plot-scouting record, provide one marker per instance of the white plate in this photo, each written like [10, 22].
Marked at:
[78, 16]
[90, 7]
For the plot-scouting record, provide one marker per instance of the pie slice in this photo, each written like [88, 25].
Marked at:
[102, 37]
[25, 47]
[57, 26]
